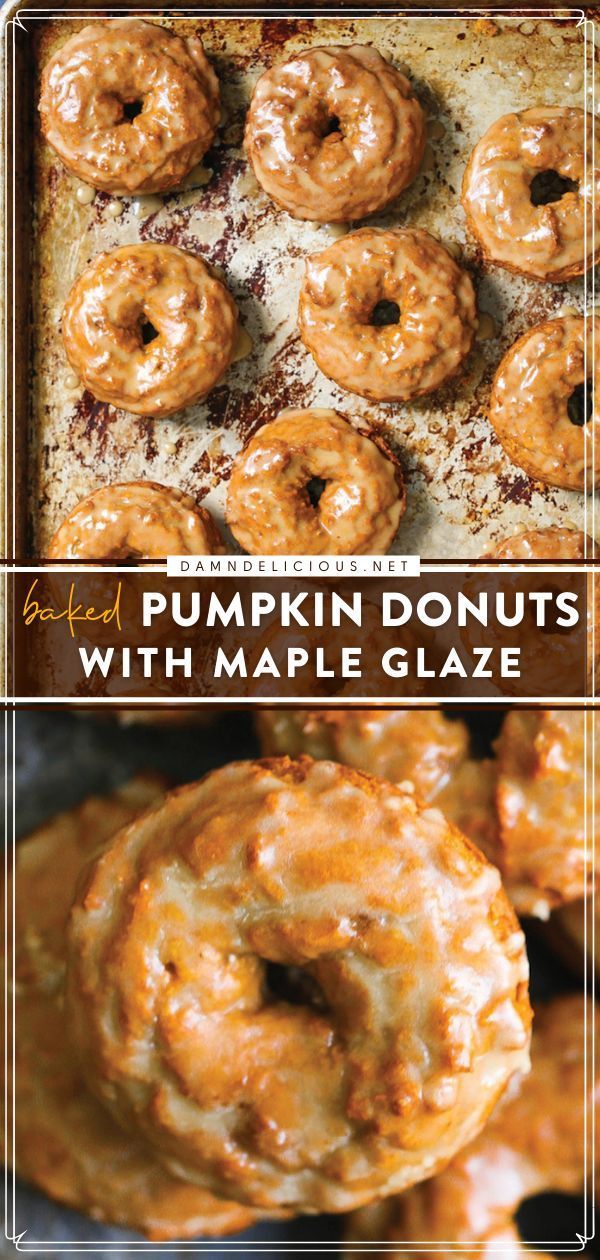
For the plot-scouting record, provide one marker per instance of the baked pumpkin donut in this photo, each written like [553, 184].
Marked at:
[544, 758]
[387, 314]
[309, 483]
[149, 328]
[192, 918]
[537, 864]
[542, 404]
[424, 750]
[467, 797]
[419, 749]
[335, 133]
[528, 192]
[136, 520]
[539, 1140]
[66, 1143]
[552, 543]
[417, 746]
[128, 106]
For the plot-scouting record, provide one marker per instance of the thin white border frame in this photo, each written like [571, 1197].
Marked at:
[578, 16]
[258, 701]
[342, 1248]
[41, 14]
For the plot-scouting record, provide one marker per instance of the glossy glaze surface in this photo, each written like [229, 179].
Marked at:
[530, 399]
[135, 520]
[415, 1014]
[91, 80]
[544, 758]
[66, 1143]
[437, 314]
[334, 133]
[523, 808]
[555, 241]
[362, 499]
[538, 1140]
[546, 544]
[191, 315]
[420, 746]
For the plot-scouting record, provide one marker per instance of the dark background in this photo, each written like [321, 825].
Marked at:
[59, 759]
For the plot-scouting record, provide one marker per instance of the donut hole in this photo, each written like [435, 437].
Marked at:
[125, 555]
[556, 1217]
[148, 332]
[131, 109]
[383, 313]
[314, 489]
[549, 186]
[580, 406]
[331, 126]
[485, 727]
[293, 985]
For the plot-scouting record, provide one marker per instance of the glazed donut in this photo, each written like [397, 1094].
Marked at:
[552, 543]
[411, 964]
[66, 1143]
[136, 520]
[467, 798]
[149, 328]
[543, 758]
[524, 193]
[425, 750]
[417, 746]
[129, 107]
[387, 314]
[359, 484]
[335, 133]
[419, 749]
[539, 1140]
[541, 402]
[537, 867]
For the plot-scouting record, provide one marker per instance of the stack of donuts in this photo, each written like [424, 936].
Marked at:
[299, 985]
[333, 135]
[525, 807]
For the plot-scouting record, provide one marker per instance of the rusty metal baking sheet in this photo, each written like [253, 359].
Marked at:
[463, 492]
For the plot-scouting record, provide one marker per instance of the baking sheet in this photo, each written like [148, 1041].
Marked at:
[463, 493]
[59, 760]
